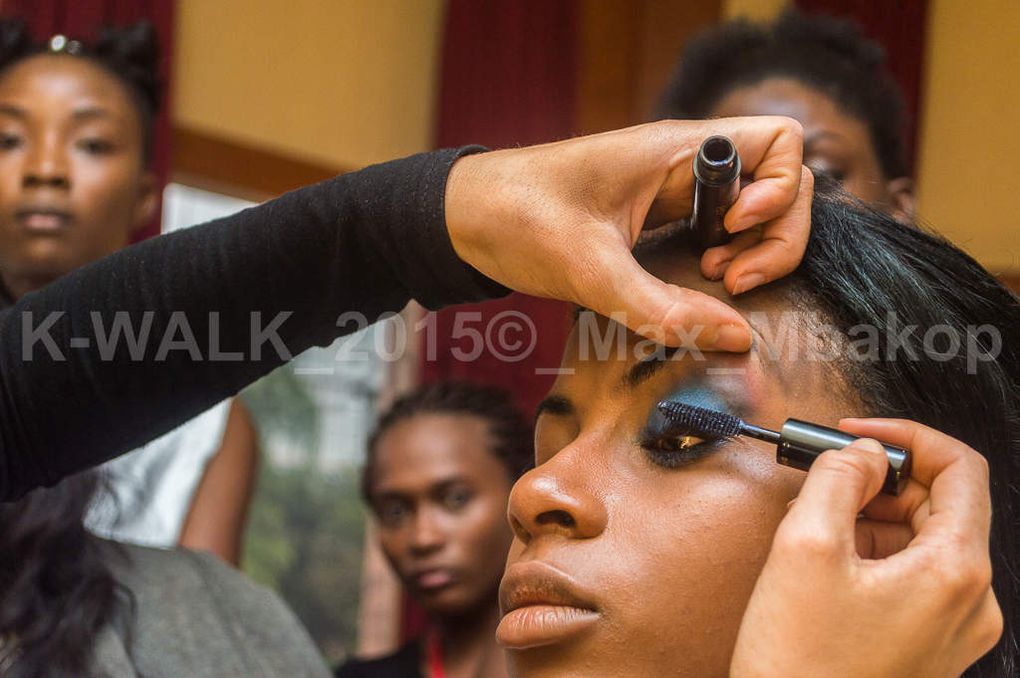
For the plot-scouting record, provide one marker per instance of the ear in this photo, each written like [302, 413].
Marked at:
[901, 198]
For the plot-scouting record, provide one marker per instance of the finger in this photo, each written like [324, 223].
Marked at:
[771, 150]
[876, 539]
[909, 506]
[716, 260]
[782, 245]
[838, 485]
[665, 313]
[957, 476]
[937, 450]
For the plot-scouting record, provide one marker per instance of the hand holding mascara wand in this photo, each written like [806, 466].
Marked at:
[798, 443]
[849, 572]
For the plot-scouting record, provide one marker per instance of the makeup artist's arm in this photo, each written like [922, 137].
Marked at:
[903, 591]
[221, 304]
[224, 303]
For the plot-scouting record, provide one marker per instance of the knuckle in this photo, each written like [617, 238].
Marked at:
[792, 128]
[991, 627]
[966, 577]
[980, 464]
[804, 542]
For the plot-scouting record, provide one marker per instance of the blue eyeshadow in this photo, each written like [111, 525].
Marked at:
[691, 394]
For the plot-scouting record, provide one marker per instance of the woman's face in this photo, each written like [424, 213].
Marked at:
[440, 497]
[632, 554]
[834, 141]
[73, 183]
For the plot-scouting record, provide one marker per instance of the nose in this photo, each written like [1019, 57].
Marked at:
[557, 497]
[427, 535]
[46, 166]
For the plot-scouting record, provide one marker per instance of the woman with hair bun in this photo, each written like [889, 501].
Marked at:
[75, 143]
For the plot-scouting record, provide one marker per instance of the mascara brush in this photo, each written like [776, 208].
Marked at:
[798, 443]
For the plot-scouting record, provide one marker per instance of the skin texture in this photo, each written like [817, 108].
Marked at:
[667, 557]
[72, 150]
[440, 497]
[834, 141]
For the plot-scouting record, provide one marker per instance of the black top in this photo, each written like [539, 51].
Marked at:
[404, 663]
[71, 398]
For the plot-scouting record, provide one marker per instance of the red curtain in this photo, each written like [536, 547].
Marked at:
[507, 78]
[900, 27]
[80, 19]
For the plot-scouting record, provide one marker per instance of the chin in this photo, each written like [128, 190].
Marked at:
[452, 602]
[46, 260]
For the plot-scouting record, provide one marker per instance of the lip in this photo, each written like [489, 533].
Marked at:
[43, 219]
[433, 579]
[541, 606]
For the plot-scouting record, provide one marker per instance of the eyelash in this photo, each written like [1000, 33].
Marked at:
[667, 448]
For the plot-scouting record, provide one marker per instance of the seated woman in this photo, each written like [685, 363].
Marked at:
[437, 477]
[637, 549]
[818, 70]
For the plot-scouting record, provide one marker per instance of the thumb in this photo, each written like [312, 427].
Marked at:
[837, 487]
[665, 313]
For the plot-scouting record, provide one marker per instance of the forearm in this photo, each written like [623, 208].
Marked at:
[215, 307]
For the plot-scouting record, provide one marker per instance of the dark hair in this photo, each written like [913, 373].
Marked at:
[510, 434]
[824, 53]
[863, 269]
[131, 54]
[862, 265]
[56, 590]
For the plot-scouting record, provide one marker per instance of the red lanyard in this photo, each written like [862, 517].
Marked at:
[434, 655]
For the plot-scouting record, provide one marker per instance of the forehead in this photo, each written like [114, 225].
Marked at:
[810, 106]
[55, 79]
[781, 375]
[430, 448]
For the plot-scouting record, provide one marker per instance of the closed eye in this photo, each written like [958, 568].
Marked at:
[674, 449]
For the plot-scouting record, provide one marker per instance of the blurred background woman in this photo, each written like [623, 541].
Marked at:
[438, 474]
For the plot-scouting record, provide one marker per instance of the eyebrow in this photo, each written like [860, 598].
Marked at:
[648, 368]
[820, 136]
[13, 111]
[555, 405]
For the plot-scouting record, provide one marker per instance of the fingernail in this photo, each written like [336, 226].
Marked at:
[720, 270]
[868, 445]
[745, 222]
[747, 281]
[790, 503]
[728, 337]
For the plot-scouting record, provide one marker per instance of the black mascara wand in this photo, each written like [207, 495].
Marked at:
[798, 443]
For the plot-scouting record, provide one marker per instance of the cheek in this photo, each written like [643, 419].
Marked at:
[393, 544]
[867, 188]
[689, 550]
[483, 529]
[105, 194]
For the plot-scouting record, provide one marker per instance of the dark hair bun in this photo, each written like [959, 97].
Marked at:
[132, 53]
[15, 41]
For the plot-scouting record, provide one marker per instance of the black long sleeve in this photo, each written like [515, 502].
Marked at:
[368, 242]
